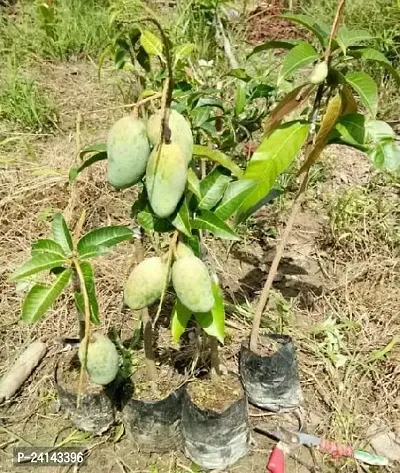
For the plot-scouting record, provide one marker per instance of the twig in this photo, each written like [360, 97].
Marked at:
[226, 43]
[171, 252]
[155, 96]
[335, 27]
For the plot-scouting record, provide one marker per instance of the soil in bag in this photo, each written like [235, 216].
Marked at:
[215, 424]
[97, 407]
[152, 411]
[271, 377]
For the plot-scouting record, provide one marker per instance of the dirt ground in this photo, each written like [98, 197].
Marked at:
[353, 282]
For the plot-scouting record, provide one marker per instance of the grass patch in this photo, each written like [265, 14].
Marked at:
[24, 103]
[59, 31]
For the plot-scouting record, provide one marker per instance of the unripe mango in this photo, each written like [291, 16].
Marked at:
[145, 283]
[192, 284]
[128, 150]
[183, 250]
[319, 73]
[166, 177]
[181, 132]
[102, 359]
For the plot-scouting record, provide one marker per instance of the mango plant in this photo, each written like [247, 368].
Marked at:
[69, 264]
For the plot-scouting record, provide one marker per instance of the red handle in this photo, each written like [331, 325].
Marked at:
[276, 462]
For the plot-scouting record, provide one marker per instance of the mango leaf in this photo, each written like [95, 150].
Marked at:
[317, 27]
[346, 37]
[240, 74]
[194, 243]
[208, 221]
[276, 44]
[370, 54]
[378, 130]
[272, 195]
[212, 187]
[366, 88]
[352, 128]
[105, 237]
[97, 148]
[348, 99]
[213, 322]
[272, 157]
[194, 183]
[93, 251]
[179, 320]
[41, 297]
[332, 114]
[386, 154]
[240, 101]
[61, 234]
[181, 219]
[218, 157]
[300, 56]
[73, 173]
[291, 102]
[151, 43]
[39, 262]
[183, 51]
[88, 277]
[47, 246]
[234, 195]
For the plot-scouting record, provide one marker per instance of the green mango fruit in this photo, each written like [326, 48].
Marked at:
[128, 150]
[102, 359]
[166, 177]
[192, 284]
[181, 132]
[183, 250]
[145, 283]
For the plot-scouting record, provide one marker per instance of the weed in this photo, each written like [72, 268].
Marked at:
[24, 103]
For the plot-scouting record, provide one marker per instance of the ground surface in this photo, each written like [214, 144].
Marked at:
[337, 292]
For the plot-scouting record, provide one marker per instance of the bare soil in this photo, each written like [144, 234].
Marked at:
[216, 394]
[167, 382]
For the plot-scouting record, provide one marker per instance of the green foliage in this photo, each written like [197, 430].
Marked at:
[64, 258]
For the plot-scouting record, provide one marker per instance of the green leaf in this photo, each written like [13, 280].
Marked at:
[366, 88]
[317, 27]
[352, 128]
[386, 154]
[210, 222]
[240, 101]
[88, 277]
[179, 320]
[97, 148]
[272, 195]
[39, 262]
[378, 130]
[103, 237]
[276, 44]
[73, 173]
[234, 195]
[181, 220]
[218, 157]
[93, 251]
[239, 74]
[346, 37]
[300, 56]
[272, 157]
[61, 234]
[370, 54]
[194, 183]
[41, 297]
[47, 246]
[213, 187]
[151, 43]
[213, 322]
[183, 51]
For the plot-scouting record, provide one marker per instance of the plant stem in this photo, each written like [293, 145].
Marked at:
[81, 319]
[147, 326]
[86, 338]
[135, 105]
[215, 361]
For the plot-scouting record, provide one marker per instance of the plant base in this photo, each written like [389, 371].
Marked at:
[96, 412]
[271, 379]
[155, 426]
[213, 439]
